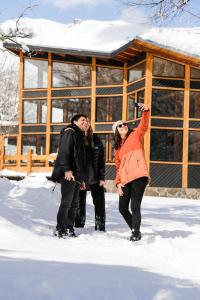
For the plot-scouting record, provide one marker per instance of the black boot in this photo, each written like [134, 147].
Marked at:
[99, 223]
[135, 236]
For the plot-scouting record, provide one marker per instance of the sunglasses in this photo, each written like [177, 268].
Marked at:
[120, 125]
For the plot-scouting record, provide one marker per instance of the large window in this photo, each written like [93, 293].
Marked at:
[10, 145]
[194, 146]
[195, 105]
[166, 145]
[54, 143]
[167, 68]
[133, 111]
[108, 109]
[34, 111]
[35, 142]
[71, 75]
[167, 103]
[64, 109]
[109, 76]
[107, 140]
[35, 73]
[194, 73]
[137, 72]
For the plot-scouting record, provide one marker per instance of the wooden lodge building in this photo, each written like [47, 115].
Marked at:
[56, 83]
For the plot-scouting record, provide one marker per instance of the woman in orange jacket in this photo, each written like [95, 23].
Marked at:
[131, 170]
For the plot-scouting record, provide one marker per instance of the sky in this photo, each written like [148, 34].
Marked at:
[65, 11]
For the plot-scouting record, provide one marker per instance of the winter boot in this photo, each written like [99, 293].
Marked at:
[97, 223]
[61, 234]
[135, 236]
[71, 233]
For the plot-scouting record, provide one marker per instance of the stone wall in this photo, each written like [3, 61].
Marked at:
[162, 191]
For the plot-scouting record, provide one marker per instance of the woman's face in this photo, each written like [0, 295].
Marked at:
[87, 124]
[122, 129]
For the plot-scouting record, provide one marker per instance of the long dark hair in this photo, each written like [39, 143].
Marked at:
[118, 139]
[89, 137]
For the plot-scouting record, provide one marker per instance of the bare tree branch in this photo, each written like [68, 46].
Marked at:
[162, 10]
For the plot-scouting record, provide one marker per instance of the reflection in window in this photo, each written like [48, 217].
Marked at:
[107, 140]
[194, 146]
[71, 75]
[194, 73]
[64, 109]
[137, 72]
[108, 109]
[35, 142]
[195, 105]
[10, 145]
[167, 103]
[34, 111]
[35, 73]
[166, 145]
[166, 68]
[109, 76]
[54, 143]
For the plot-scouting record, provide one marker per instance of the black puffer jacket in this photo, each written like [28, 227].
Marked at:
[95, 157]
[71, 154]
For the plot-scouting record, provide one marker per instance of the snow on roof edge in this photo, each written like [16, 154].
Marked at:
[167, 47]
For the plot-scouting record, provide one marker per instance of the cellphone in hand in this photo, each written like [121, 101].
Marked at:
[138, 105]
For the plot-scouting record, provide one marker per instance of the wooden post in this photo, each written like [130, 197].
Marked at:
[48, 128]
[20, 109]
[93, 93]
[1, 152]
[148, 100]
[186, 126]
[29, 160]
[124, 101]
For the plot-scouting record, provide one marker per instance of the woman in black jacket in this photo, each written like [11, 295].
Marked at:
[95, 180]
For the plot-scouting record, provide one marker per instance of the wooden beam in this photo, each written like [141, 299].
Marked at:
[20, 106]
[93, 93]
[148, 101]
[48, 127]
[124, 100]
[186, 126]
[167, 53]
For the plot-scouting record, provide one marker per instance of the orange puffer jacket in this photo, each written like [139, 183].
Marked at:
[129, 158]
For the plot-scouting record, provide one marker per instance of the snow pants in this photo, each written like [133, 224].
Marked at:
[133, 194]
[69, 205]
[98, 196]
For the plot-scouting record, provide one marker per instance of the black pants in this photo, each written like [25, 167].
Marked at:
[133, 193]
[69, 204]
[98, 197]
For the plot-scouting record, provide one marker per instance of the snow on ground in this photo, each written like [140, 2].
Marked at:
[34, 265]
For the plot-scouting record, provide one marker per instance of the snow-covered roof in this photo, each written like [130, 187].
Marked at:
[103, 36]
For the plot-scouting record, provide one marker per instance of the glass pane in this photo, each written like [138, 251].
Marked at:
[10, 145]
[195, 105]
[35, 142]
[109, 76]
[108, 109]
[63, 110]
[194, 146]
[195, 73]
[107, 140]
[166, 68]
[131, 107]
[71, 75]
[140, 99]
[167, 103]
[34, 111]
[137, 72]
[54, 143]
[166, 145]
[35, 73]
